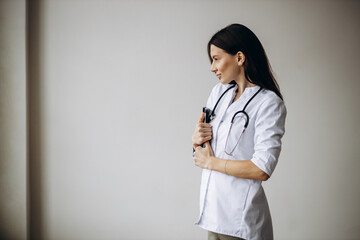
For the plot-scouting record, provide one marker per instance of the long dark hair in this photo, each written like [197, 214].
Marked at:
[237, 37]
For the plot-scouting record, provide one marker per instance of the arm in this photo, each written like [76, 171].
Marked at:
[205, 158]
[240, 169]
[269, 129]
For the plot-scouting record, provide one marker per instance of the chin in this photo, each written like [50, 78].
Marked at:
[224, 82]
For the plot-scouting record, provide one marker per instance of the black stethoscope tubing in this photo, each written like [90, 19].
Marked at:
[241, 111]
[212, 112]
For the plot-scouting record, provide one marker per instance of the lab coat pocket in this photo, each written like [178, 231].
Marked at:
[239, 198]
[246, 197]
[242, 191]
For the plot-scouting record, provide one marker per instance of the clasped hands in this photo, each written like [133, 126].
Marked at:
[203, 156]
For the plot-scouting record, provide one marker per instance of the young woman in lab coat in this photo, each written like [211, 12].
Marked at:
[233, 204]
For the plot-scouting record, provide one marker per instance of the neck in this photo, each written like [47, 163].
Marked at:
[242, 84]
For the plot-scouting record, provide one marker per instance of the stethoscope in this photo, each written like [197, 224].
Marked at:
[210, 115]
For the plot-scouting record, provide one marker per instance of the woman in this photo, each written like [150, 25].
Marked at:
[247, 124]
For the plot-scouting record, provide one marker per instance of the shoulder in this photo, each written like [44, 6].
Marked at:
[270, 102]
[268, 97]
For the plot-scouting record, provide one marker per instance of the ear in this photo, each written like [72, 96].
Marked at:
[240, 57]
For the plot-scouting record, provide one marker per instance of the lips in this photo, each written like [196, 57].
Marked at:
[218, 75]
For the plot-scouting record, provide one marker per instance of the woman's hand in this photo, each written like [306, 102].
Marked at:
[202, 133]
[203, 157]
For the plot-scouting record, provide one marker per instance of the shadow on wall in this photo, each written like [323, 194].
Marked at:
[34, 122]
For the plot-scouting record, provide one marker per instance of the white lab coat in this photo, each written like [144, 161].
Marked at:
[237, 206]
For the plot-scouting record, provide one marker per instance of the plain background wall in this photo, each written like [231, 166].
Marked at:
[12, 119]
[115, 90]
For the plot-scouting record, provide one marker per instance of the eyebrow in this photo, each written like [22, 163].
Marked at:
[215, 56]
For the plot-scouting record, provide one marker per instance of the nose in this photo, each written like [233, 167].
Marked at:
[213, 68]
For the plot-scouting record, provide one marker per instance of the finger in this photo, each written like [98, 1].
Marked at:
[208, 146]
[204, 125]
[208, 138]
[205, 130]
[202, 118]
[205, 139]
[206, 134]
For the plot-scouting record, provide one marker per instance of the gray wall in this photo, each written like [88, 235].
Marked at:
[116, 87]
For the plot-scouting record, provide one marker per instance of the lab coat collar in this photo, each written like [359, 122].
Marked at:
[228, 98]
[224, 103]
[248, 89]
[244, 98]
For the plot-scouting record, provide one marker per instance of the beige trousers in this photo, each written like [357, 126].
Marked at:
[218, 236]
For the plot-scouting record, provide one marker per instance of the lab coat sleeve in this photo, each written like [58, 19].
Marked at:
[269, 129]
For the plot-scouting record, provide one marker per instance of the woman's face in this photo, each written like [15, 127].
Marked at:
[224, 65]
